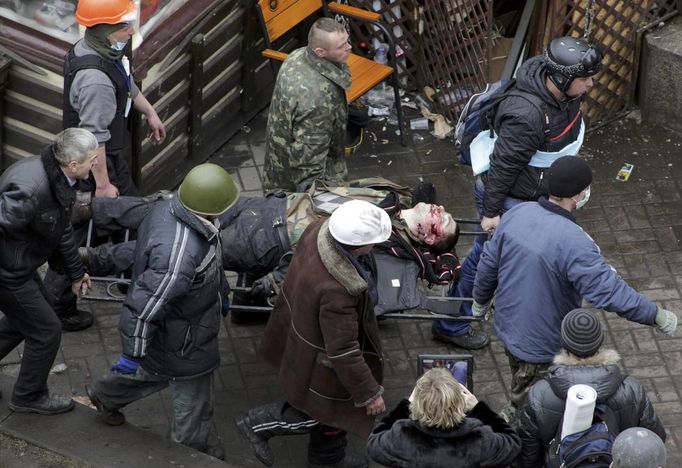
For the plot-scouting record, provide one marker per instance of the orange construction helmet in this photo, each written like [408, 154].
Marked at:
[92, 12]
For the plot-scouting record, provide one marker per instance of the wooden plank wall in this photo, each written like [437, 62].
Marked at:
[208, 91]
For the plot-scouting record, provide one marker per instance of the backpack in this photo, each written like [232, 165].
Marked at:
[479, 113]
[589, 448]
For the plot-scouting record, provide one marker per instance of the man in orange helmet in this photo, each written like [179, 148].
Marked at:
[99, 93]
[99, 90]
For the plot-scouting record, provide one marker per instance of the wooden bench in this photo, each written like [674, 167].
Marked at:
[277, 17]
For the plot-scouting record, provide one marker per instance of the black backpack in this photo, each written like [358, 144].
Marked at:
[589, 448]
[479, 113]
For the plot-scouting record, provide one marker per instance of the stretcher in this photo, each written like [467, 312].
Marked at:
[398, 285]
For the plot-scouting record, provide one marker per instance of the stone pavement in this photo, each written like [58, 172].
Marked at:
[637, 223]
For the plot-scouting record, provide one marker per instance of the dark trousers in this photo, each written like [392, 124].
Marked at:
[29, 318]
[327, 444]
[524, 375]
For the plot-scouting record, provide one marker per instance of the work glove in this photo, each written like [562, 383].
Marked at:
[126, 366]
[666, 322]
[481, 310]
[267, 286]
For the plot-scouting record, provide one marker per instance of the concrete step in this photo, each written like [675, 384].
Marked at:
[79, 435]
[660, 79]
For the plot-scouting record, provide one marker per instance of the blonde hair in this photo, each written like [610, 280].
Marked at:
[438, 400]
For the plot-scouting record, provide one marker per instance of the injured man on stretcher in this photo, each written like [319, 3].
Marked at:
[258, 233]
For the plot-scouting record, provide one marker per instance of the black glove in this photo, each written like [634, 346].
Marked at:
[268, 285]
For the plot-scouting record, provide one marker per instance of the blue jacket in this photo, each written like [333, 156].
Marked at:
[539, 265]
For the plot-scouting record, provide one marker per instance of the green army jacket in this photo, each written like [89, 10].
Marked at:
[306, 122]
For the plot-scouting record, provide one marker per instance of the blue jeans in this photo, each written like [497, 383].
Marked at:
[464, 287]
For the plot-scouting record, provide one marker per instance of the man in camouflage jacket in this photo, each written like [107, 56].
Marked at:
[309, 111]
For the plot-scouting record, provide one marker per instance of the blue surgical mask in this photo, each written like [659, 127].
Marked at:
[581, 203]
[118, 46]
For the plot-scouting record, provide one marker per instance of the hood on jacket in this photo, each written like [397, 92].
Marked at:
[531, 78]
[600, 372]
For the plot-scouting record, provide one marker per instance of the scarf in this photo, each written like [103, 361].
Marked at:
[96, 37]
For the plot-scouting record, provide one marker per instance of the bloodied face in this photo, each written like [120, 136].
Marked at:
[433, 223]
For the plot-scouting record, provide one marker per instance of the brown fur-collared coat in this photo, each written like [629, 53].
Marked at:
[323, 336]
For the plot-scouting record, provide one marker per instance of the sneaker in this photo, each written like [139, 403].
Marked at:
[47, 404]
[79, 321]
[112, 417]
[472, 339]
[351, 460]
[259, 443]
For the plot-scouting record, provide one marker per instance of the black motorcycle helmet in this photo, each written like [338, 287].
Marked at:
[567, 58]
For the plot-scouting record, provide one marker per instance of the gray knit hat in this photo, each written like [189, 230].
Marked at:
[581, 333]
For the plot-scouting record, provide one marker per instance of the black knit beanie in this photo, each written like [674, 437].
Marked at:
[568, 176]
[581, 333]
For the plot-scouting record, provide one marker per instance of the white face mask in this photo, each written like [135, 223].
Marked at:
[581, 203]
[118, 46]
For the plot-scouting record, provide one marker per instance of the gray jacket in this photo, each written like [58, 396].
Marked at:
[547, 399]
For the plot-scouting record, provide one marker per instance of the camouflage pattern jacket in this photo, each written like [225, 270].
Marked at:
[306, 123]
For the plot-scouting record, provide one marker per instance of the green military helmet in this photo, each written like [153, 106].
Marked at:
[208, 190]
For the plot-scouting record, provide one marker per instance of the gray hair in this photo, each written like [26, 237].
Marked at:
[438, 400]
[73, 144]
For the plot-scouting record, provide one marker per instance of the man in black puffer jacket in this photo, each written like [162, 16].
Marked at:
[537, 121]
[36, 197]
[582, 361]
[171, 317]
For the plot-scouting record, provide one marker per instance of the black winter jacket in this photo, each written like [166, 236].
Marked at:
[482, 439]
[522, 130]
[546, 401]
[171, 317]
[35, 219]
[254, 236]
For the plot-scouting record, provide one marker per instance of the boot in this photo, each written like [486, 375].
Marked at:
[82, 208]
[47, 404]
[80, 320]
[351, 460]
[112, 417]
[84, 255]
[258, 440]
[472, 339]
[264, 422]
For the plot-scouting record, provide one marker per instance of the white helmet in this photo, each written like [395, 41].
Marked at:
[358, 222]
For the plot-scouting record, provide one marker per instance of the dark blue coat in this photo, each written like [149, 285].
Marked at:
[171, 317]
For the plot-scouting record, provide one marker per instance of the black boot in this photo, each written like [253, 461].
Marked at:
[47, 404]
[472, 339]
[82, 208]
[112, 417]
[258, 440]
[274, 419]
